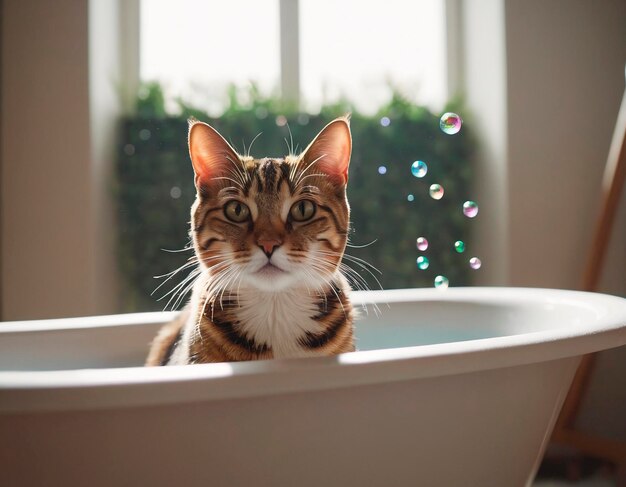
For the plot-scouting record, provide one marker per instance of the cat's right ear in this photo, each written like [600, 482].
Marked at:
[210, 153]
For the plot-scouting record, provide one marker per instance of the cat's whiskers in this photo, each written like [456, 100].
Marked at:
[193, 276]
[356, 260]
[314, 281]
[314, 175]
[184, 249]
[218, 282]
[348, 244]
[295, 175]
[230, 179]
[234, 275]
[192, 261]
[354, 276]
[181, 289]
[324, 267]
[241, 172]
[209, 297]
[175, 292]
[251, 144]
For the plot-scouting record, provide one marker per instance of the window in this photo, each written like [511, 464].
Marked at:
[195, 49]
[363, 48]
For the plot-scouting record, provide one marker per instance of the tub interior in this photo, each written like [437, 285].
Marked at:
[120, 342]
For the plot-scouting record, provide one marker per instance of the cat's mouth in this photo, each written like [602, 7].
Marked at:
[269, 270]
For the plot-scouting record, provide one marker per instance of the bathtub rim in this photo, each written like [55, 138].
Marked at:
[86, 389]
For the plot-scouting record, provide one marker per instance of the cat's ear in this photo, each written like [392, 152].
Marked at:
[210, 153]
[331, 149]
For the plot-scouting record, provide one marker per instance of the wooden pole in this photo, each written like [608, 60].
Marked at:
[612, 186]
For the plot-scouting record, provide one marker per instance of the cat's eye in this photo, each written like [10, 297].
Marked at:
[302, 210]
[236, 211]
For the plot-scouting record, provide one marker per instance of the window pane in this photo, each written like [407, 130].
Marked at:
[197, 48]
[357, 49]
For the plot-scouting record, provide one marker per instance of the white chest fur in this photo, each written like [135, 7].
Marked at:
[279, 319]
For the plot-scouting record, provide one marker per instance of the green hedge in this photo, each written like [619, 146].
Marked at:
[154, 187]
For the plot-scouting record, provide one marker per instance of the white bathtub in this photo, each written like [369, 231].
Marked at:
[456, 388]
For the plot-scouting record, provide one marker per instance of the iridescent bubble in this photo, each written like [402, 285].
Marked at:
[144, 134]
[419, 169]
[303, 119]
[175, 192]
[422, 243]
[385, 121]
[436, 191]
[459, 246]
[441, 282]
[470, 209]
[382, 170]
[475, 263]
[410, 197]
[129, 149]
[450, 123]
[422, 263]
[281, 120]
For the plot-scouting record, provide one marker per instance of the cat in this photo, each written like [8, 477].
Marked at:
[269, 235]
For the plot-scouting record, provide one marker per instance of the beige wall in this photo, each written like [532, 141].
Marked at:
[543, 81]
[47, 238]
[565, 72]
[565, 80]
[484, 86]
[61, 98]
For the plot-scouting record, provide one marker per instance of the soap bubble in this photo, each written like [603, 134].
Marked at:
[475, 263]
[175, 192]
[450, 123]
[422, 243]
[441, 282]
[436, 191]
[382, 170]
[470, 209]
[129, 149]
[459, 246]
[422, 263]
[144, 134]
[385, 121]
[281, 120]
[410, 197]
[419, 169]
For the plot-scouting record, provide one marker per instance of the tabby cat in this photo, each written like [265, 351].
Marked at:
[269, 235]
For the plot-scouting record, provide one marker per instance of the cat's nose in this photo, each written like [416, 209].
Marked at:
[268, 246]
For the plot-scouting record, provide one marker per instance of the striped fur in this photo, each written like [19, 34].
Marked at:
[269, 284]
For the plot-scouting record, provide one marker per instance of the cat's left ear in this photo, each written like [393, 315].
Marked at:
[331, 149]
[210, 154]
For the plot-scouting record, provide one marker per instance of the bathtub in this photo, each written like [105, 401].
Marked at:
[450, 388]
